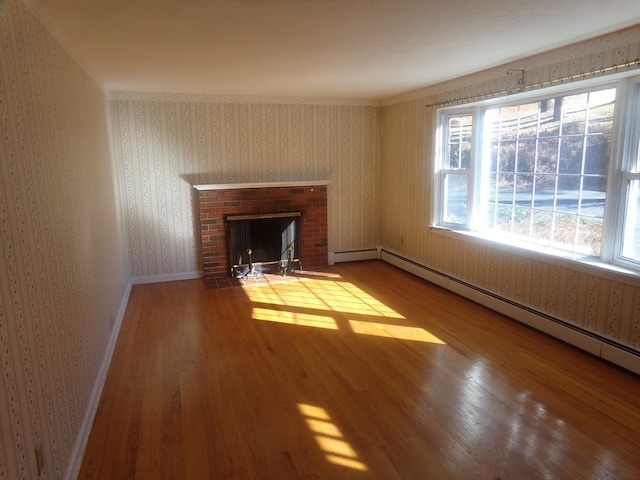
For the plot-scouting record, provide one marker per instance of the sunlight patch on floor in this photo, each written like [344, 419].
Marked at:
[329, 437]
[400, 332]
[334, 296]
[337, 296]
[294, 318]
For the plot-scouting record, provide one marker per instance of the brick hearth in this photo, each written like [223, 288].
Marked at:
[215, 202]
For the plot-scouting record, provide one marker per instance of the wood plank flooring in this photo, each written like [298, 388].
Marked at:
[359, 372]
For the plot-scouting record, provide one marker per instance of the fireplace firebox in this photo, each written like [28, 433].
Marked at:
[216, 202]
[263, 243]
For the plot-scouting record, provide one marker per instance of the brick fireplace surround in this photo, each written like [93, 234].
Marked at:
[215, 202]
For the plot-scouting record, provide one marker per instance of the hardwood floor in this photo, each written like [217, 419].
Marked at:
[359, 372]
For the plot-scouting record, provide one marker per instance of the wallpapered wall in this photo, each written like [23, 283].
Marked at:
[607, 305]
[62, 277]
[67, 255]
[168, 144]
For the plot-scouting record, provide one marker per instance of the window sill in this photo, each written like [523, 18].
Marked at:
[584, 264]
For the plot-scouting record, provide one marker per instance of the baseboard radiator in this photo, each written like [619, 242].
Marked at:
[354, 255]
[599, 346]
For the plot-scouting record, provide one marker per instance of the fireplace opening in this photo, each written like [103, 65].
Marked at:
[263, 243]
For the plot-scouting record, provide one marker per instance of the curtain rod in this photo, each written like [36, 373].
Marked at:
[524, 88]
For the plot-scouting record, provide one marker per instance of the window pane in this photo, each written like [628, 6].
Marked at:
[505, 186]
[521, 221]
[574, 111]
[567, 194]
[503, 218]
[455, 205]
[564, 231]
[493, 158]
[589, 235]
[593, 195]
[596, 157]
[528, 121]
[542, 227]
[545, 185]
[547, 151]
[550, 160]
[550, 113]
[631, 231]
[526, 155]
[571, 155]
[459, 142]
[507, 156]
[453, 155]
[524, 181]
[508, 118]
[601, 111]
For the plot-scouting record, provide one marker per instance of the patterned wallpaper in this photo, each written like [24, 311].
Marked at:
[167, 146]
[606, 304]
[68, 250]
[62, 252]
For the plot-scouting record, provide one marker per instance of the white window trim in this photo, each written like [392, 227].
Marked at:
[607, 265]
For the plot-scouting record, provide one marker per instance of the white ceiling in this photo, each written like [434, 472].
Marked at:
[316, 48]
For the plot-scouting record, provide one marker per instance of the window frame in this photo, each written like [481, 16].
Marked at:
[443, 172]
[625, 146]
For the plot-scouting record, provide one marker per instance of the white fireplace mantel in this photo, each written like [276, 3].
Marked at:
[238, 186]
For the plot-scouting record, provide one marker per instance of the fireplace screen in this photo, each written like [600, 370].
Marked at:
[263, 243]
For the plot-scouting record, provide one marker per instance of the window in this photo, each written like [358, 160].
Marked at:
[558, 170]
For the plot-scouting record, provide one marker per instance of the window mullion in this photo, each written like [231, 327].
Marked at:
[475, 171]
[621, 148]
[628, 239]
[554, 232]
[581, 184]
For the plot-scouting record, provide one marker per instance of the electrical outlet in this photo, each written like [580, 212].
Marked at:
[39, 458]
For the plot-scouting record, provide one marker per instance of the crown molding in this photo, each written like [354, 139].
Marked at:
[255, 99]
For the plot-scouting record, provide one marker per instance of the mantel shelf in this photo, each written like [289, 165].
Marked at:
[237, 186]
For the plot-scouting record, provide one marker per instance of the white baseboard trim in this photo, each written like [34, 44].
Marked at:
[167, 277]
[75, 461]
[601, 347]
[353, 255]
